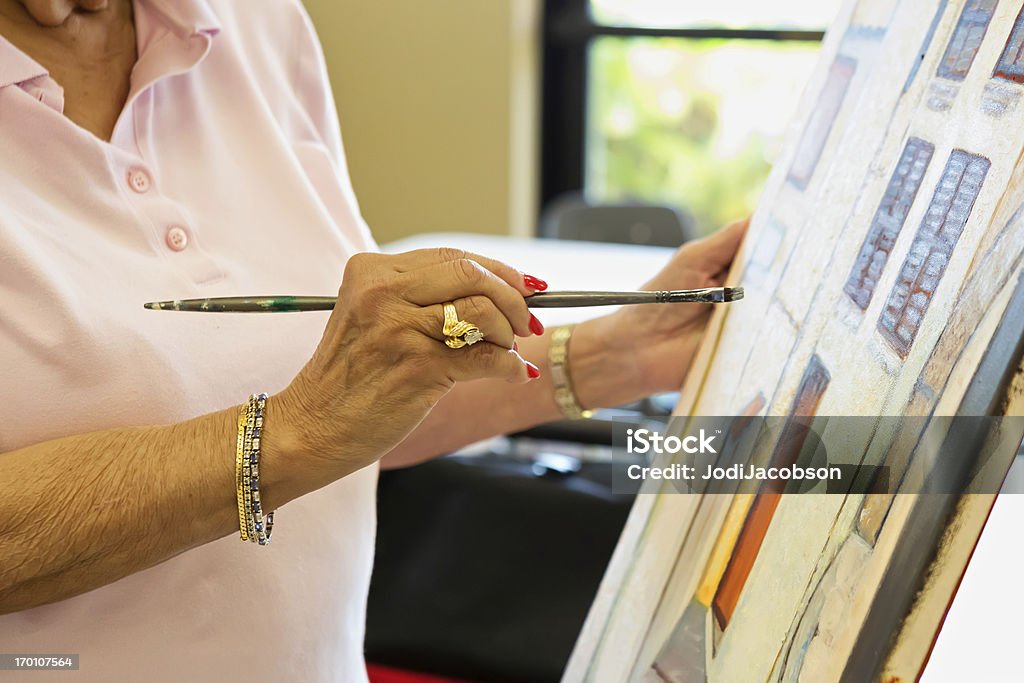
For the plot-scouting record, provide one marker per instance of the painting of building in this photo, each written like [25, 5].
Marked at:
[883, 271]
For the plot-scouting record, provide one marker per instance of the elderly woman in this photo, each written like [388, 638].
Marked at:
[189, 148]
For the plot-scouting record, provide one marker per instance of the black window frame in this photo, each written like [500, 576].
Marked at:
[568, 30]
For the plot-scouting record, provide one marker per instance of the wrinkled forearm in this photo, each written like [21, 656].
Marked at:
[80, 512]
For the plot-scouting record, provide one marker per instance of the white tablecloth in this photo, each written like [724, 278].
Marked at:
[562, 264]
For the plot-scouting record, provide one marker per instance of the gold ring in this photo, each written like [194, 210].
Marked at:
[458, 333]
[451, 318]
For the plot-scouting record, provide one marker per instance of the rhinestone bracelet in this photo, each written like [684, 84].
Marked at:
[250, 423]
[255, 526]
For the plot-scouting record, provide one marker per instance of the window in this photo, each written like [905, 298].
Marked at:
[938, 234]
[888, 221]
[676, 103]
[1011, 62]
[966, 39]
[791, 441]
[820, 124]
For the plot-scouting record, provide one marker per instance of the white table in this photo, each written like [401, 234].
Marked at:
[562, 264]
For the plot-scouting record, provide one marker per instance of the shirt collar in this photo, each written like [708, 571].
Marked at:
[188, 17]
[16, 66]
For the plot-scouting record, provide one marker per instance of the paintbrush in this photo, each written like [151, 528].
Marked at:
[294, 304]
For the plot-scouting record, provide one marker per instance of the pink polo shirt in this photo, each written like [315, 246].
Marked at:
[225, 176]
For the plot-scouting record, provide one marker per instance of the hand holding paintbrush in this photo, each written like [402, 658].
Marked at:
[653, 346]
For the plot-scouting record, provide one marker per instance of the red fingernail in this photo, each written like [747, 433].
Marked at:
[536, 326]
[532, 370]
[535, 283]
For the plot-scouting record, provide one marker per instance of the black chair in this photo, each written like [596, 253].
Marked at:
[570, 217]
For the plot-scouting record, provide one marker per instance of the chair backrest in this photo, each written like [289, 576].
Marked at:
[572, 219]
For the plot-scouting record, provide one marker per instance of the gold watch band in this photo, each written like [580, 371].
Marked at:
[558, 366]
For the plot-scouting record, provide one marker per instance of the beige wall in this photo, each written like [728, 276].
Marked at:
[437, 101]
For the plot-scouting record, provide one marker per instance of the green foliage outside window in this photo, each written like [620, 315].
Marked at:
[691, 123]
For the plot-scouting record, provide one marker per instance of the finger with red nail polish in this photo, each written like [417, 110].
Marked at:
[534, 283]
[536, 326]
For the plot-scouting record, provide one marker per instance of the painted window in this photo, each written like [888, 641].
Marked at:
[1011, 62]
[791, 441]
[888, 221]
[820, 125]
[933, 245]
[967, 36]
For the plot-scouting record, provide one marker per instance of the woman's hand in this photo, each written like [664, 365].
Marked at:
[656, 344]
[382, 363]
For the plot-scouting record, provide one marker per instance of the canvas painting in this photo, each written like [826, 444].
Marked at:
[883, 280]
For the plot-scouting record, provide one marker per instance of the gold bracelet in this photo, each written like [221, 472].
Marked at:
[558, 365]
[250, 422]
[239, 456]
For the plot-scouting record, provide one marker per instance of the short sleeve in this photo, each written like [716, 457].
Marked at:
[316, 129]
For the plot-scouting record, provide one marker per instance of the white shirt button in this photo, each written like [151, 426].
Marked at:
[176, 238]
[139, 180]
